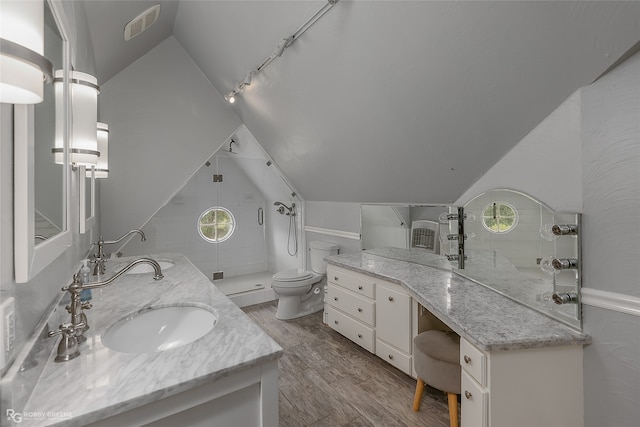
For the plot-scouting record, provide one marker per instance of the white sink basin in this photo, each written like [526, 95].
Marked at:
[159, 329]
[146, 268]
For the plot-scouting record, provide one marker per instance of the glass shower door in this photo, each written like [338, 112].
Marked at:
[242, 258]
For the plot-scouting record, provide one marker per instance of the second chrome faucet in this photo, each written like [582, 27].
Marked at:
[99, 257]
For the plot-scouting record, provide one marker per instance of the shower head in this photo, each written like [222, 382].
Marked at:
[282, 207]
[230, 150]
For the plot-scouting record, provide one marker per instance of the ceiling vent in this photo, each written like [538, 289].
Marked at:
[141, 22]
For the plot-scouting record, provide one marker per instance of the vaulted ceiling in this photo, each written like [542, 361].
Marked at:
[384, 101]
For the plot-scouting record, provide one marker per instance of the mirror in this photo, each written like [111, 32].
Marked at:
[49, 176]
[506, 249]
[402, 226]
[86, 178]
[41, 227]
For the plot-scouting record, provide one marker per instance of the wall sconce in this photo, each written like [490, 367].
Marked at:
[22, 64]
[84, 112]
[552, 232]
[102, 168]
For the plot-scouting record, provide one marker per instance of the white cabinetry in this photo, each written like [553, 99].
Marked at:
[373, 313]
[528, 388]
[393, 326]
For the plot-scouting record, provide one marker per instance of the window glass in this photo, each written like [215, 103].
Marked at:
[216, 224]
[499, 217]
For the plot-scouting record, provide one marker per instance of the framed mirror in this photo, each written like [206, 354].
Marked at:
[510, 249]
[86, 178]
[41, 187]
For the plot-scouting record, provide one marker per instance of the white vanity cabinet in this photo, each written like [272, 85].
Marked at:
[393, 326]
[529, 387]
[351, 306]
[373, 313]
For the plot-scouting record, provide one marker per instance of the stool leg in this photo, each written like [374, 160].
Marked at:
[453, 409]
[418, 397]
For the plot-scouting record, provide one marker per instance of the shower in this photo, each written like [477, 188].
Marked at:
[230, 150]
[293, 231]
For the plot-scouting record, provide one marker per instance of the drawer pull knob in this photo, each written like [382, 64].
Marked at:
[335, 298]
[391, 299]
[468, 394]
[391, 356]
[335, 321]
[467, 359]
[360, 287]
[359, 310]
[359, 335]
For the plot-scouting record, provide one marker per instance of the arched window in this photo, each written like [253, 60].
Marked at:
[216, 224]
[499, 217]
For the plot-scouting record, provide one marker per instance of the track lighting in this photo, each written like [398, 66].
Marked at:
[230, 97]
[278, 51]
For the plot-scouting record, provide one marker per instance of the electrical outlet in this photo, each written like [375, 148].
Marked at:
[7, 331]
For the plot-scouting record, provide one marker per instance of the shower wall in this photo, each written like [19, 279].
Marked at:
[248, 186]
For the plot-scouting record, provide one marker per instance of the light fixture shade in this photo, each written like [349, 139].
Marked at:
[21, 23]
[84, 116]
[102, 168]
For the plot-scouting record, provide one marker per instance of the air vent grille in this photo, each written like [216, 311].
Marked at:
[141, 22]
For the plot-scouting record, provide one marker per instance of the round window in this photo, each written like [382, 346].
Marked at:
[216, 225]
[499, 217]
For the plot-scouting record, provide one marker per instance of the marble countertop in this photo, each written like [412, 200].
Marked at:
[102, 382]
[485, 318]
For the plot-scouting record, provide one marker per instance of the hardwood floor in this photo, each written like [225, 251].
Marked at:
[326, 380]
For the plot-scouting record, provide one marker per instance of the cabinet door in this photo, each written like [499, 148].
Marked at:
[393, 317]
[474, 402]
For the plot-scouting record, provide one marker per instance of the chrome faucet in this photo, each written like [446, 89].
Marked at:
[73, 332]
[99, 258]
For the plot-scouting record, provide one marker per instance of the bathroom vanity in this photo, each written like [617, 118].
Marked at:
[229, 375]
[519, 367]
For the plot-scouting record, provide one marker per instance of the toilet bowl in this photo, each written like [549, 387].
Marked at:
[301, 292]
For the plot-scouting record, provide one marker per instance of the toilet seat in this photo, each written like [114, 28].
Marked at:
[295, 278]
[292, 275]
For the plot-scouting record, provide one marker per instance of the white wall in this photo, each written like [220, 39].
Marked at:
[611, 242]
[334, 216]
[164, 118]
[546, 164]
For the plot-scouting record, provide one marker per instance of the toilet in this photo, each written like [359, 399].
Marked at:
[301, 292]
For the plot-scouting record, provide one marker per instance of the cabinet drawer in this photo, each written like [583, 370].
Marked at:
[474, 405]
[474, 361]
[358, 283]
[394, 357]
[356, 306]
[357, 332]
[393, 317]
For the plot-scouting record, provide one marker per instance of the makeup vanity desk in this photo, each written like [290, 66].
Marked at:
[519, 367]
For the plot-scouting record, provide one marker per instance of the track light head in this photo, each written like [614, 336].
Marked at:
[230, 97]
[248, 78]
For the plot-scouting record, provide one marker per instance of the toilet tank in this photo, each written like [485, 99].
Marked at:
[319, 251]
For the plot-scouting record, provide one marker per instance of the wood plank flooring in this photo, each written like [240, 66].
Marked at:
[326, 380]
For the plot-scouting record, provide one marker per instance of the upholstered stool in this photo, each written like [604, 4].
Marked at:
[437, 362]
